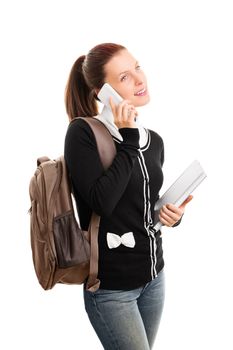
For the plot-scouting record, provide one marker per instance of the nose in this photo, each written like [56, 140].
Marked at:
[138, 81]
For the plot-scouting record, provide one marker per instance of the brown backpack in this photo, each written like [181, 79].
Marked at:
[61, 251]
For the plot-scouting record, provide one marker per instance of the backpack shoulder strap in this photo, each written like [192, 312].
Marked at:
[107, 151]
[105, 144]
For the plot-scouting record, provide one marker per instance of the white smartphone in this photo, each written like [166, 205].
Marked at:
[104, 94]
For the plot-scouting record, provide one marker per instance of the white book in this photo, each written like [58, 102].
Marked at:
[180, 189]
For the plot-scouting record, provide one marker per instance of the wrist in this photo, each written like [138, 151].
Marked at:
[130, 136]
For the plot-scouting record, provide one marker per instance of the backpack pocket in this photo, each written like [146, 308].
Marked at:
[72, 247]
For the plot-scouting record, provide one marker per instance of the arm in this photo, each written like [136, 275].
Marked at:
[100, 189]
[170, 215]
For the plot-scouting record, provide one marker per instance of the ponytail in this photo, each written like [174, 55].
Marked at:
[88, 74]
[79, 97]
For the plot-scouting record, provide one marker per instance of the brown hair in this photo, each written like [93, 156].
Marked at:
[88, 74]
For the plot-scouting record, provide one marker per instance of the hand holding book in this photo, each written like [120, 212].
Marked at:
[168, 209]
[170, 214]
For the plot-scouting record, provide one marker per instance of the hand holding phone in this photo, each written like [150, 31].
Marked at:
[106, 92]
[126, 116]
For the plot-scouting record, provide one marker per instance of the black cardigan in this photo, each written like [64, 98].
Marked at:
[124, 196]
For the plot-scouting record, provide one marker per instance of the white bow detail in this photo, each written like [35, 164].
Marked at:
[114, 240]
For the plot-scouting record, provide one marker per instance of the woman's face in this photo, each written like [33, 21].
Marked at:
[125, 75]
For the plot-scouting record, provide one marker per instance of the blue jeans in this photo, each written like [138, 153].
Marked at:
[127, 320]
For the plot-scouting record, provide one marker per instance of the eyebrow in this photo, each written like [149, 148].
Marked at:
[136, 63]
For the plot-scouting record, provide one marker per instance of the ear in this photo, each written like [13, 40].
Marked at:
[95, 93]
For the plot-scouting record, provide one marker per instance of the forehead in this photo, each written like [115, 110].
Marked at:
[121, 62]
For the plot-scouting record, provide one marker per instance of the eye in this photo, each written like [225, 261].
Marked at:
[138, 67]
[124, 77]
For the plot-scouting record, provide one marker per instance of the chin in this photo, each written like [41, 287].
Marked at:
[144, 101]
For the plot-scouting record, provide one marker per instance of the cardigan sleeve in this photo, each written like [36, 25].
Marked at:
[162, 162]
[100, 189]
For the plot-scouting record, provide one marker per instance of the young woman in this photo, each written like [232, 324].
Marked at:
[125, 312]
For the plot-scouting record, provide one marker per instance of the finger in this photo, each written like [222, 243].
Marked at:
[134, 111]
[164, 221]
[122, 109]
[132, 115]
[169, 215]
[117, 111]
[173, 209]
[124, 115]
[125, 112]
[167, 219]
[129, 112]
[187, 200]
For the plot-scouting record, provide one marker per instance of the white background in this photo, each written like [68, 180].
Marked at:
[185, 47]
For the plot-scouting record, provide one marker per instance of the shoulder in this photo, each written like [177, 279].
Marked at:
[78, 126]
[155, 137]
[80, 131]
[79, 137]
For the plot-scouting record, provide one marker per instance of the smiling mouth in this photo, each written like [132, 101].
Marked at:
[141, 92]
